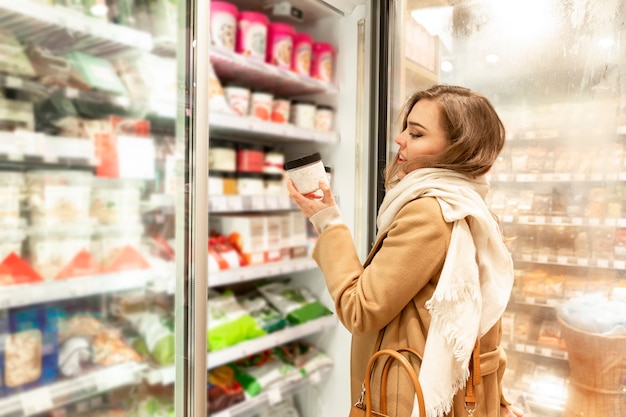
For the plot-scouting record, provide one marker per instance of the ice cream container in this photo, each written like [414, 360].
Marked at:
[223, 24]
[261, 105]
[252, 34]
[302, 51]
[238, 98]
[280, 44]
[11, 184]
[273, 162]
[323, 61]
[324, 116]
[109, 241]
[222, 156]
[303, 114]
[250, 183]
[115, 200]
[62, 196]
[250, 157]
[306, 173]
[280, 110]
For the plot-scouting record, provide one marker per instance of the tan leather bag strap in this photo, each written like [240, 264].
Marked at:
[383, 388]
[474, 379]
[408, 368]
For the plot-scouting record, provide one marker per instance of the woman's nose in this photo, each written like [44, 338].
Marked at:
[398, 140]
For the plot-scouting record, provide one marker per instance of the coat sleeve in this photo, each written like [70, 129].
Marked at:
[410, 255]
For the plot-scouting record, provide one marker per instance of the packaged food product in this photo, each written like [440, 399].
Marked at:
[250, 157]
[115, 200]
[296, 303]
[302, 114]
[11, 240]
[16, 115]
[97, 72]
[280, 110]
[13, 59]
[110, 241]
[247, 232]
[280, 44]
[322, 65]
[216, 183]
[302, 50]
[262, 311]
[229, 323]
[222, 156]
[223, 254]
[262, 371]
[223, 24]
[261, 105]
[11, 184]
[306, 173]
[223, 389]
[229, 181]
[324, 118]
[238, 98]
[53, 247]
[273, 184]
[273, 162]
[252, 34]
[250, 183]
[61, 196]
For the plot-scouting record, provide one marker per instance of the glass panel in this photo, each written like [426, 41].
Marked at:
[89, 162]
[553, 70]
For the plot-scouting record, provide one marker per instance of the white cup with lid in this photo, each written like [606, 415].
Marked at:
[306, 173]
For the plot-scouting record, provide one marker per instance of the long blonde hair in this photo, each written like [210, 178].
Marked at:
[472, 126]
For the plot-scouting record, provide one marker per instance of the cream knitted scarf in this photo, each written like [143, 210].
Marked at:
[475, 283]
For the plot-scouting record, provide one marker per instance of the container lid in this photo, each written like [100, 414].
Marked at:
[285, 27]
[247, 14]
[273, 177]
[298, 37]
[258, 175]
[251, 146]
[323, 46]
[221, 144]
[325, 107]
[296, 102]
[296, 163]
[223, 6]
[216, 173]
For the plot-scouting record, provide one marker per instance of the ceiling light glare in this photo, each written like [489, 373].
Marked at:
[446, 66]
[492, 58]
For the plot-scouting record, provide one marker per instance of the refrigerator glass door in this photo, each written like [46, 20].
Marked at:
[553, 70]
[96, 221]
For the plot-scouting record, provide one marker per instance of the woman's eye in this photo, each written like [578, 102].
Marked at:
[415, 135]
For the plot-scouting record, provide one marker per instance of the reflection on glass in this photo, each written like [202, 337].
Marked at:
[554, 71]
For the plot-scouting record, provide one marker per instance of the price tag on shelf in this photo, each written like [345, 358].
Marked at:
[274, 396]
[271, 202]
[258, 202]
[36, 401]
[542, 259]
[603, 263]
[577, 221]
[235, 203]
[546, 351]
[218, 203]
[582, 262]
[619, 265]
[562, 260]
[594, 221]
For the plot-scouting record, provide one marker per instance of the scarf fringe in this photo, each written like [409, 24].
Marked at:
[444, 407]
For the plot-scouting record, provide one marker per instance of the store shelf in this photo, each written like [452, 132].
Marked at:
[572, 261]
[45, 398]
[37, 148]
[230, 66]
[562, 220]
[247, 203]
[537, 301]
[545, 351]
[249, 273]
[232, 126]
[28, 294]
[60, 29]
[273, 395]
[241, 350]
[552, 178]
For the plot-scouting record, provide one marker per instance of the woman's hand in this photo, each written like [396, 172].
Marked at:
[510, 411]
[311, 203]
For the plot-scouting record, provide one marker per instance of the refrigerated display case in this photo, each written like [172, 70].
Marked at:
[553, 70]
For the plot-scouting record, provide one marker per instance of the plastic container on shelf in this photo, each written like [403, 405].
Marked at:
[222, 156]
[223, 24]
[252, 30]
[62, 196]
[280, 44]
[216, 183]
[238, 98]
[250, 157]
[280, 110]
[302, 53]
[250, 183]
[11, 241]
[323, 61]
[274, 184]
[52, 247]
[11, 184]
[115, 200]
[324, 118]
[306, 173]
[109, 241]
[303, 114]
[273, 162]
[261, 105]
[229, 182]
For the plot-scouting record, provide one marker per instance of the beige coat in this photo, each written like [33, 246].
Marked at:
[391, 289]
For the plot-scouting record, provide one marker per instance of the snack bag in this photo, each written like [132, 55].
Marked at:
[229, 323]
[296, 303]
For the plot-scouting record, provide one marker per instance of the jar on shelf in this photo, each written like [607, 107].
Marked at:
[303, 114]
[250, 183]
[223, 24]
[229, 183]
[273, 162]
[302, 50]
[280, 110]
[216, 183]
[323, 58]
[274, 184]
[11, 185]
[252, 34]
[238, 98]
[261, 105]
[280, 44]
[250, 157]
[222, 156]
[324, 118]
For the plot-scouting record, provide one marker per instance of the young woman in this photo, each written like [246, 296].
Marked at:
[439, 276]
